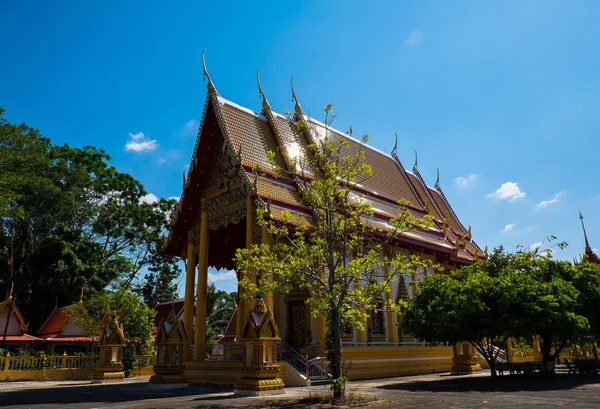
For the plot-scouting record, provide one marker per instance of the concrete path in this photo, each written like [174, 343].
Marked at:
[426, 391]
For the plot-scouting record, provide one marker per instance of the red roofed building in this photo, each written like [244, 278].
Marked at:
[16, 330]
[62, 333]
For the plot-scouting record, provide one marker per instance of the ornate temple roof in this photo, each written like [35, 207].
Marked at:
[253, 134]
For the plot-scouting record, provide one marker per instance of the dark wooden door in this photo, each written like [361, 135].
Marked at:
[296, 324]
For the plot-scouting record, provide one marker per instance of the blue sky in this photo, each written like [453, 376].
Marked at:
[502, 96]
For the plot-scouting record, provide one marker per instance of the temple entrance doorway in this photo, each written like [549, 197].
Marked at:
[296, 324]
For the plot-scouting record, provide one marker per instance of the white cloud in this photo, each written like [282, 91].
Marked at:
[226, 275]
[149, 198]
[415, 38]
[190, 128]
[535, 246]
[545, 203]
[174, 197]
[466, 182]
[508, 227]
[139, 142]
[508, 191]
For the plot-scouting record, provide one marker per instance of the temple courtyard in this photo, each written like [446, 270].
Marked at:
[425, 391]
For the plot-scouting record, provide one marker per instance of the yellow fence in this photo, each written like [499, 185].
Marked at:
[61, 367]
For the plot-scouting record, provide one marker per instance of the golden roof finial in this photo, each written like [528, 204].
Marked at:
[12, 287]
[469, 232]
[210, 87]
[297, 107]
[81, 295]
[485, 251]
[265, 103]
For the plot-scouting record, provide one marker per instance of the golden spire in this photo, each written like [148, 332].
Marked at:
[297, 107]
[265, 103]
[210, 87]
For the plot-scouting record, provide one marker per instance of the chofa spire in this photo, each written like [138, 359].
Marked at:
[265, 103]
[210, 86]
[587, 243]
[297, 107]
[416, 165]
[395, 149]
[437, 180]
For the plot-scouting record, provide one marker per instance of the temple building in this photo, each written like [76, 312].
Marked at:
[216, 216]
[62, 332]
[13, 328]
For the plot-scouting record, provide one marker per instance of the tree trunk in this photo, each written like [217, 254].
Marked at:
[334, 353]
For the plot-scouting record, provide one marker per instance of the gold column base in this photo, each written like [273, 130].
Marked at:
[259, 381]
[109, 372]
[465, 365]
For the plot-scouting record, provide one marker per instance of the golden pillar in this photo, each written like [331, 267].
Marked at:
[321, 321]
[200, 333]
[266, 239]
[361, 334]
[243, 309]
[390, 322]
[188, 302]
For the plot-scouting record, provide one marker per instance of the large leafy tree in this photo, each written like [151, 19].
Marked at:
[69, 220]
[510, 295]
[472, 304]
[336, 254]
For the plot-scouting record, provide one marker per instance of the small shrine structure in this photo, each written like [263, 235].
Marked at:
[13, 326]
[260, 372]
[170, 350]
[110, 355]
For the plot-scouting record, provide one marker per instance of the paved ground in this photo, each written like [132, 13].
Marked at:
[427, 391]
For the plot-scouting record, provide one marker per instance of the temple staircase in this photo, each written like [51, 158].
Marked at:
[316, 370]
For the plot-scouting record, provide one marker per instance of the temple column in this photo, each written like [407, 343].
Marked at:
[200, 335]
[465, 359]
[361, 334]
[390, 322]
[243, 307]
[266, 239]
[188, 302]
[321, 321]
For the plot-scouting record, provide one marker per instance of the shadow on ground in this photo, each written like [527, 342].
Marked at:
[108, 393]
[500, 384]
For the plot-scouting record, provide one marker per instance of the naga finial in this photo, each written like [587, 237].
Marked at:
[297, 107]
[265, 103]
[210, 87]
[416, 161]
[437, 180]
[12, 287]
[469, 232]
[81, 295]
[395, 149]
[485, 251]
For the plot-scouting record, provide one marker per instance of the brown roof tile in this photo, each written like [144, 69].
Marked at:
[252, 132]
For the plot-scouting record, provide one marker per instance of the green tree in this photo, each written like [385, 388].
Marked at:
[546, 301]
[510, 295]
[69, 220]
[327, 253]
[471, 304]
[137, 321]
